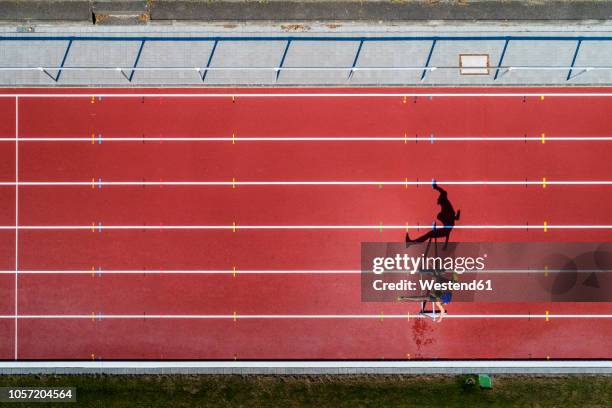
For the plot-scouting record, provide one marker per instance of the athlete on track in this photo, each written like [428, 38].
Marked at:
[438, 298]
[447, 216]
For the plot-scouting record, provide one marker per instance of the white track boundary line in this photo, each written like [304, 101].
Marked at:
[307, 95]
[301, 317]
[236, 227]
[407, 138]
[235, 183]
[315, 365]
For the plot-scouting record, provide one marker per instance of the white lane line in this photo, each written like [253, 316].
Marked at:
[16, 354]
[268, 272]
[190, 272]
[307, 95]
[407, 138]
[234, 183]
[236, 227]
[299, 316]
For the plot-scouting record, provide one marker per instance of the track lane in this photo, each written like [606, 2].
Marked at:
[308, 339]
[249, 294]
[286, 249]
[334, 116]
[306, 205]
[314, 161]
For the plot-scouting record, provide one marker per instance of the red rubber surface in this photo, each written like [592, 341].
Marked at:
[309, 294]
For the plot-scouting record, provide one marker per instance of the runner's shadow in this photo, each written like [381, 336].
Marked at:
[447, 216]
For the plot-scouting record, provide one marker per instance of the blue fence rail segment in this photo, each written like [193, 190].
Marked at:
[282, 61]
[431, 50]
[210, 58]
[288, 39]
[142, 43]
[356, 59]
[569, 73]
[306, 38]
[59, 72]
[501, 59]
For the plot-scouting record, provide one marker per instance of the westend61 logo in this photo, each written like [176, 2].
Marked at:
[486, 272]
[411, 264]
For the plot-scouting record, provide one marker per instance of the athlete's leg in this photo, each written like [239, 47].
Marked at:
[442, 311]
[436, 233]
[421, 298]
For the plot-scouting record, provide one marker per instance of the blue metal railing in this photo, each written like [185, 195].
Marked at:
[288, 40]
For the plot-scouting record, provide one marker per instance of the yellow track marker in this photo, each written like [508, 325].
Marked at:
[233, 99]
[93, 317]
[408, 320]
[545, 226]
[93, 138]
[233, 138]
[545, 270]
[93, 183]
[543, 138]
[542, 97]
[547, 316]
[404, 100]
[406, 183]
[382, 316]
[405, 136]
[234, 271]
[235, 318]
[93, 100]
[93, 268]
[381, 226]
[548, 357]
[234, 226]
[543, 182]
[93, 356]
[406, 227]
[234, 182]
[93, 227]
[408, 356]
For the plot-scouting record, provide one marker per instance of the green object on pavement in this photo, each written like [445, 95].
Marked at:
[485, 381]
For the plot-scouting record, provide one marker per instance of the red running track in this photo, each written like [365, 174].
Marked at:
[71, 297]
